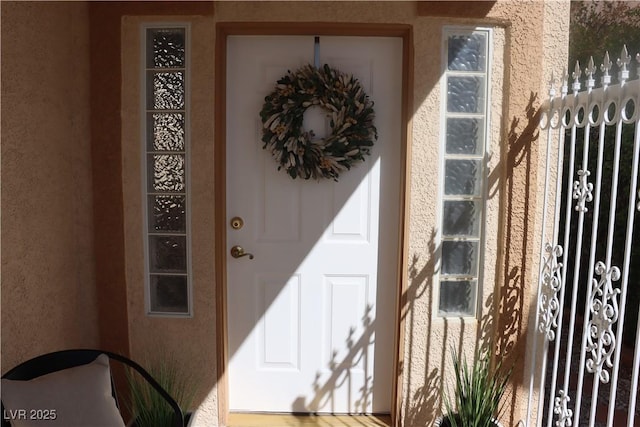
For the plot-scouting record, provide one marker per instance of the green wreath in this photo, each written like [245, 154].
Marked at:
[351, 120]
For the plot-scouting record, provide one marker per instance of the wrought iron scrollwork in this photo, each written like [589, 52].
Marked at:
[601, 339]
[550, 285]
[582, 190]
[561, 408]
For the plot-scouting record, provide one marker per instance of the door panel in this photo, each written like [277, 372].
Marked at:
[278, 329]
[346, 300]
[311, 317]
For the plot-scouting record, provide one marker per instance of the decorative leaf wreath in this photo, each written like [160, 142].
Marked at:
[348, 107]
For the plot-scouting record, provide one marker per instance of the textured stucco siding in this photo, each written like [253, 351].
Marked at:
[53, 214]
[48, 288]
[556, 28]
[510, 260]
[191, 340]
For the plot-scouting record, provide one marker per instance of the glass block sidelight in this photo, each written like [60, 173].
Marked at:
[165, 90]
[165, 132]
[460, 257]
[464, 139]
[169, 294]
[467, 52]
[165, 47]
[462, 177]
[167, 173]
[457, 297]
[465, 94]
[461, 218]
[165, 150]
[167, 214]
[465, 136]
[167, 253]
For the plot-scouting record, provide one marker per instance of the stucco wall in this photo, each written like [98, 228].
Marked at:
[511, 262]
[48, 286]
[554, 40]
[191, 340]
[47, 259]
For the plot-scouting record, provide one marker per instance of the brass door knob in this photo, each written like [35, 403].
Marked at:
[238, 252]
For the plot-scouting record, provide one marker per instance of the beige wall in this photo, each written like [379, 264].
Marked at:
[59, 267]
[518, 88]
[555, 30]
[191, 340]
[48, 287]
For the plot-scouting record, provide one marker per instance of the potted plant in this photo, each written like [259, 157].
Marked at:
[146, 405]
[478, 392]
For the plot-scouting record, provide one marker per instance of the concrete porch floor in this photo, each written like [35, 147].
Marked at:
[289, 420]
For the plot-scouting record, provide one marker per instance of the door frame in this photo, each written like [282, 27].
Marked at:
[225, 29]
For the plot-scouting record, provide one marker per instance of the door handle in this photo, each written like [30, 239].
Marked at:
[238, 252]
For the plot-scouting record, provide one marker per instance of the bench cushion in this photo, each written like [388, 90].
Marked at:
[75, 397]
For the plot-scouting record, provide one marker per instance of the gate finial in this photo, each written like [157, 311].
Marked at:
[605, 67]
[577, 72]
[565, 81]
[552, 86]
[589, 72]
[623, 63]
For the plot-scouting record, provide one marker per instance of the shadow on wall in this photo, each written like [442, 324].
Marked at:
[503, 328]
[424, 403]
[511, 328]
[516, 208]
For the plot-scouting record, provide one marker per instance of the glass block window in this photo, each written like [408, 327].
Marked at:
[464, 141]
[165, 148]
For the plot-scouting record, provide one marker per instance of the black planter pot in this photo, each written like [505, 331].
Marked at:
[443, 421]
[187, 419]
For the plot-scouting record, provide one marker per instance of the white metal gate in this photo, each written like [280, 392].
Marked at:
[587, 315]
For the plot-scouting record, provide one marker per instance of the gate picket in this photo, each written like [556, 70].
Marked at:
[589, 360]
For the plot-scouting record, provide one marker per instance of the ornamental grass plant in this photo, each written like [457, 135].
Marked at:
[477, 393]
[146, 405]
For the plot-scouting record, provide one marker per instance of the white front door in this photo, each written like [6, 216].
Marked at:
[311, 317]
